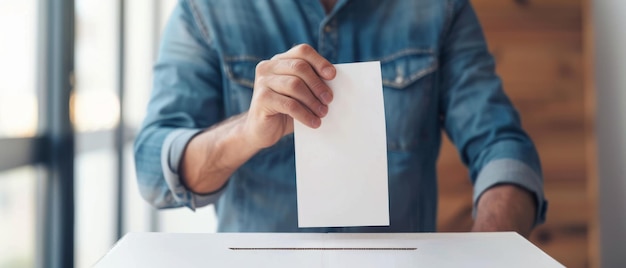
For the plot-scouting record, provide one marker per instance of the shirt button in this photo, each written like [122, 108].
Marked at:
[399, 79]
[328, 28]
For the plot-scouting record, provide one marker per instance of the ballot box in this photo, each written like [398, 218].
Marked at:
[303, 250]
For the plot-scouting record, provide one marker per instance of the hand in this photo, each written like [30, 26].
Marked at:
[289, 86]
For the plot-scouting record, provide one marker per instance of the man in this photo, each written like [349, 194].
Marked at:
[229, 82]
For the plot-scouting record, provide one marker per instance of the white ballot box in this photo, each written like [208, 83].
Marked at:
[325, 250]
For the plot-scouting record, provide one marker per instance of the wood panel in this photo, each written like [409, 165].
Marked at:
[529, 15]
[591, 145]
[540, 53]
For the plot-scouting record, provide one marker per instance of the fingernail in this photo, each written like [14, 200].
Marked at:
[323, 109]
[329, 72]
[326, 97]
[316, 122]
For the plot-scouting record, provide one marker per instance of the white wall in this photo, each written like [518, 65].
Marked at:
[610, 69]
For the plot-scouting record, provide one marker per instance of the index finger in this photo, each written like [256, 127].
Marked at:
[322, 66]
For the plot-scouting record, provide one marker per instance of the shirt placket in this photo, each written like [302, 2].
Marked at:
[328, 39]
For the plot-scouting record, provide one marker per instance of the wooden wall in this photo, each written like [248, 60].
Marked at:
[540, 49]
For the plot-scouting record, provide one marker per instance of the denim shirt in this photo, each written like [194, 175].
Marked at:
[437, 74]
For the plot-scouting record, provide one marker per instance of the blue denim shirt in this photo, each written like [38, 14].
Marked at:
[437, 74]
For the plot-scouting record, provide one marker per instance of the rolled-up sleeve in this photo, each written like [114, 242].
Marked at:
[478, 116]
[186, 98]
[511, 171]
[171, 155]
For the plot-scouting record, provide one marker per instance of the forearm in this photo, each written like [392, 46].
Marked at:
[505, 207]
[213, 155]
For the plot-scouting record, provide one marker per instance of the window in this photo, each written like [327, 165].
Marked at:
[38, 110]
[18, 200]
[18, 96]
[139, 56]
[95, 113]
[18, 119]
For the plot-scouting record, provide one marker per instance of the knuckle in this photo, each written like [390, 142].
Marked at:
[290, 106]
[262, 66]
[303, 48]
[293, 83]
[299, 66]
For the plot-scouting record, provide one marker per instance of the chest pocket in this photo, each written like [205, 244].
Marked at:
[410, 100]
[240, 72]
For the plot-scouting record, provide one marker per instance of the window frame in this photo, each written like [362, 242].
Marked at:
[55, 147]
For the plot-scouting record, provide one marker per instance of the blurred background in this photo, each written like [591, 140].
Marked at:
[73, 93]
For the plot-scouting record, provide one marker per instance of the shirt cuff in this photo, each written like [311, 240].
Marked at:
[511, 171]
[171, 155]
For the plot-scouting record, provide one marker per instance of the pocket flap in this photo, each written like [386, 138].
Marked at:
[398, 70]
[241, 70]
[404, 68]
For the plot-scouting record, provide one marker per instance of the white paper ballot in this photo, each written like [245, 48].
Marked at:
[341, 167]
